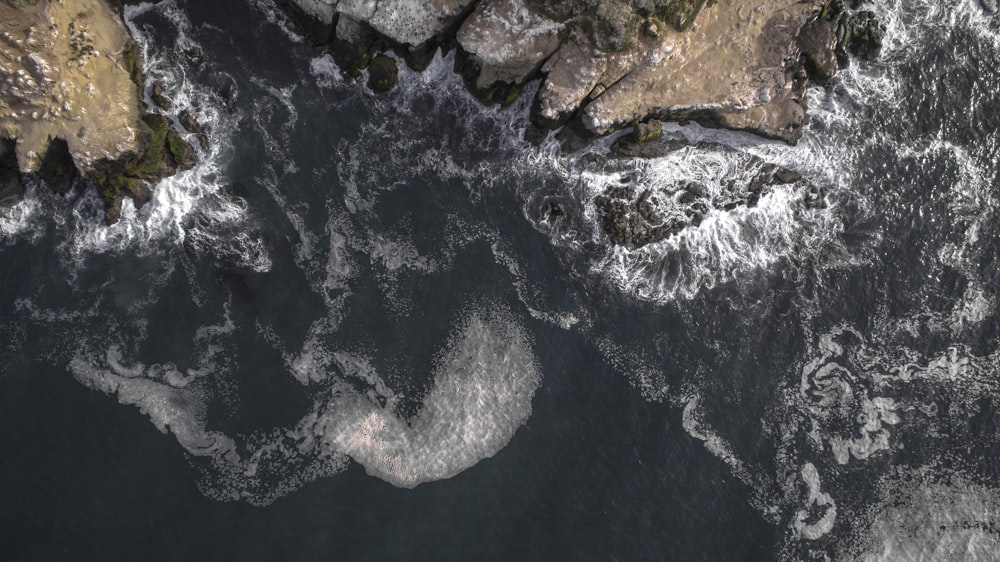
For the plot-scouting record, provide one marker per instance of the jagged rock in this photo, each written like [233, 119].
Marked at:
[382, 74]
[506, 43]
[608, 64]
[160, 98]
[861, 36]
[193, 126]
[11, 184]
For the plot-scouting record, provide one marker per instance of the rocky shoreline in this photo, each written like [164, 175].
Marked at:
[71, 105]
[605, 66]
[612, 65]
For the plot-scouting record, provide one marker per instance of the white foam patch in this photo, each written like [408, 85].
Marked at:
[696, 428]
[924, 517]
[21, 221]
[325, 71]
[482, 391]
[727, 246]
[807, 524]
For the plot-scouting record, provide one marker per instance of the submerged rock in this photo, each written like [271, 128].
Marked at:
[634, 217]
[861, 35]
[193, 126]
[382, 74]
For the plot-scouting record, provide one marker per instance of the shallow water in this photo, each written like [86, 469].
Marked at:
[386, 349]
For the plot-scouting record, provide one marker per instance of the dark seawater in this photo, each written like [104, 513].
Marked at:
[353, 332]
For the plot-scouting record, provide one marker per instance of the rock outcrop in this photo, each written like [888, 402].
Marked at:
[70, 103]
[607, 65]
[633, 216]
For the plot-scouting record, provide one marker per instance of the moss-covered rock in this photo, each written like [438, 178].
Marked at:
[165, 154]
[382, 74]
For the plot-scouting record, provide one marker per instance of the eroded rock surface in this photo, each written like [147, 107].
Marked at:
[63, 72]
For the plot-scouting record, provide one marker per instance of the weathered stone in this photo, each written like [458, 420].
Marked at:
[506, 42]
[72, 80]
[651, 29]
[647, 131]
[404, 21]
[193, 126]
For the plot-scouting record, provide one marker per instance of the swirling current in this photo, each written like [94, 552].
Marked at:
[354, 331]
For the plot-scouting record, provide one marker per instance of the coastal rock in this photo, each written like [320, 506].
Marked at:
[633, 217]
[818, 42]
[609, 64]
[506, 43]
[72, 81]
[606, 65]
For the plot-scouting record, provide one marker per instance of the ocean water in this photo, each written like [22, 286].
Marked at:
[353, 332]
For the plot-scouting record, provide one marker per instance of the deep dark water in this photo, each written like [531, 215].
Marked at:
[777, 384]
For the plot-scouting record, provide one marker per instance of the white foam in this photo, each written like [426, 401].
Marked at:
[482, 391]
[805, 523]
[325, 71]
[923, 517]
